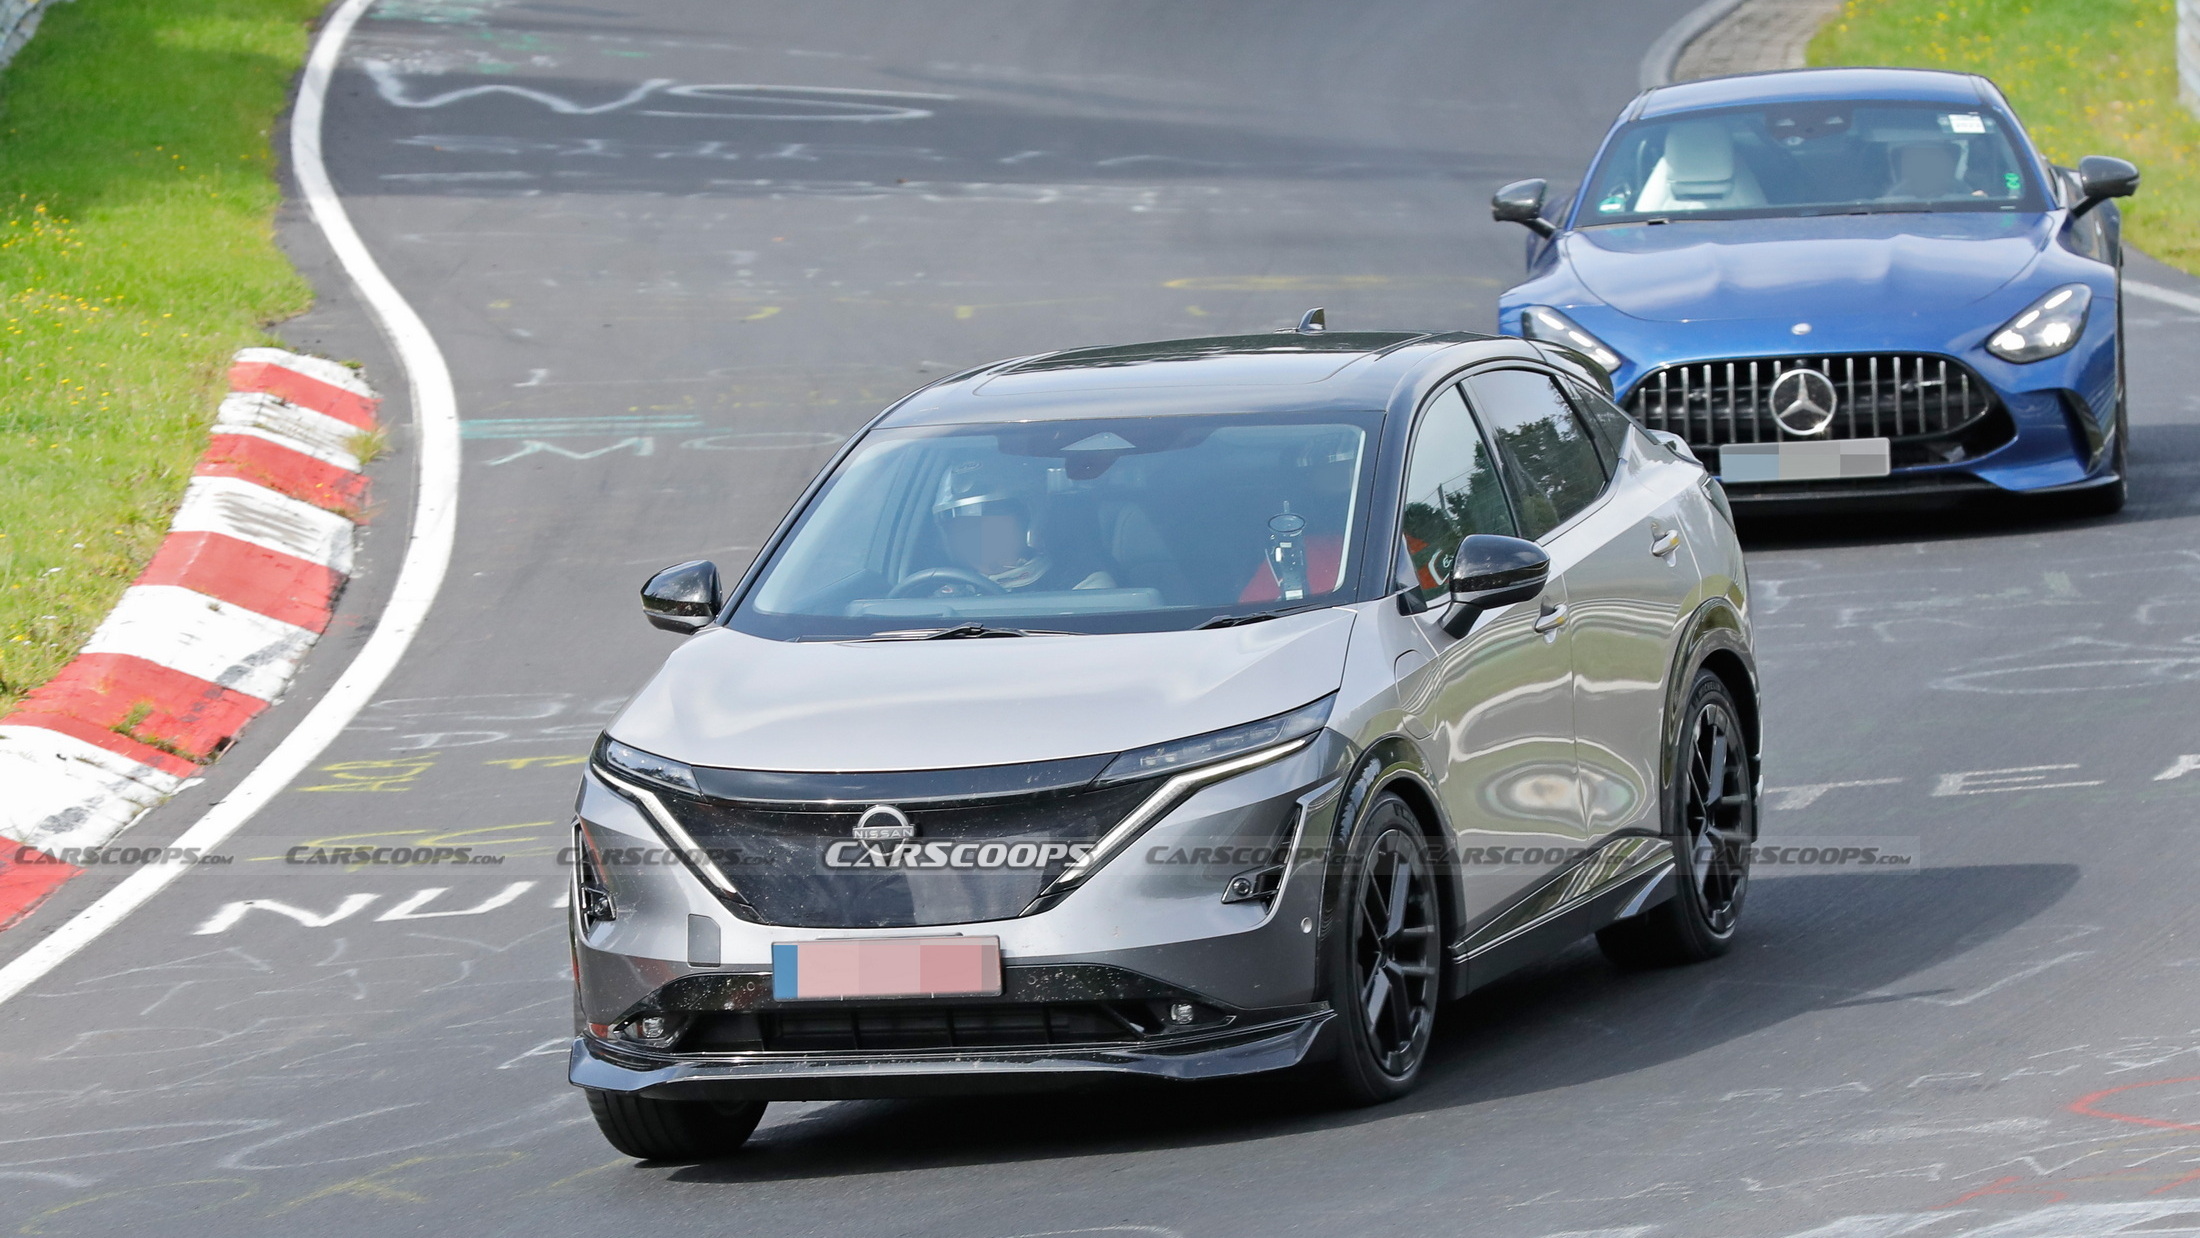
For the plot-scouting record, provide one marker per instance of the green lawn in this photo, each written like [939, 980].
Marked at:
[137, 255]
[2088, 77]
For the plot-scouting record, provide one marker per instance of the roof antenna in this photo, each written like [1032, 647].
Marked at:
[1315, 322]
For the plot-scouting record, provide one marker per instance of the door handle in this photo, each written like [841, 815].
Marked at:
[1552, 619]
[1666, 543]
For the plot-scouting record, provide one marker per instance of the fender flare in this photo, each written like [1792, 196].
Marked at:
[1716, 638]
[1391, 763]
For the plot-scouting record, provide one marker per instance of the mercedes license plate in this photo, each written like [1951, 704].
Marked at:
[1820, 460]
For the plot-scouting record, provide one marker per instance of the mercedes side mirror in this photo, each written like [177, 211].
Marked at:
[1522, 203]
[1492, 571]
[684, 598]
[2100, 178]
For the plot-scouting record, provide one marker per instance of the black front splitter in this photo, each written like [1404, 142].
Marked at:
[1220, 1054]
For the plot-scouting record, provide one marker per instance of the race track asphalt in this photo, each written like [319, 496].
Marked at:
[676, 251]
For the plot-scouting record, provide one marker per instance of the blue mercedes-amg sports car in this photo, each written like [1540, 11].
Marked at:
[1844, 283]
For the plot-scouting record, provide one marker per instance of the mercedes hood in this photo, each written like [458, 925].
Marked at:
[737, 701]
[1717, 269]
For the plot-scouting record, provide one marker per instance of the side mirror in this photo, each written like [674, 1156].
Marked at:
[684, 598]
[1522, 203]
[2101, 178]
[1492, 571]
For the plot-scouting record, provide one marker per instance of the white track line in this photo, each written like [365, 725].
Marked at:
[2167, 296]
[427, 554]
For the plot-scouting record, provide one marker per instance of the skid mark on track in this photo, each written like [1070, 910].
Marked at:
[695, 101]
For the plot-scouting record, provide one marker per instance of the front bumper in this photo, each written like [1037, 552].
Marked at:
[1273, 1043]
[1920, 487]
[1148, 929]
[2053, 440]
[2061, 412]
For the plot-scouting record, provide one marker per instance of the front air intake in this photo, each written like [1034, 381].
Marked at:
[1877, 395]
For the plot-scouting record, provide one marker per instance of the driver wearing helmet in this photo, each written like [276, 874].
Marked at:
[984, 515]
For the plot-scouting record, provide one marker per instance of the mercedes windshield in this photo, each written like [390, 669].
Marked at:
[1814, 158]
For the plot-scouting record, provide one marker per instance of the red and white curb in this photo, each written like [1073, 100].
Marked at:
[207, 637]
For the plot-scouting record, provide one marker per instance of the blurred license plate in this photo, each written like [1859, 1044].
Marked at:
[886, 967]
[1813, 461]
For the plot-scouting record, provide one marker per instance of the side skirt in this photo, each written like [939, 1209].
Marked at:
[1625, 878]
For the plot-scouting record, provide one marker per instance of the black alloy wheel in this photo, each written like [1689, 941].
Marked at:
[1387, 956]
[673, 1130]
[1711, 798]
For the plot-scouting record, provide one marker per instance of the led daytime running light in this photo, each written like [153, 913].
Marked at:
[2047, 328]
[1541, 322]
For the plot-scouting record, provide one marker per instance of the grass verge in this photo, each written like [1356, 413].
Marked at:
[2088, 77]
[137, 253]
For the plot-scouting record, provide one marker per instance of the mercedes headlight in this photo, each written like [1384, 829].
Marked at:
[1221, 745]
[634, 763]
[2046, 328]
[1541, 322]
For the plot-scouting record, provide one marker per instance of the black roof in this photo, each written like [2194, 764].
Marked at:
[1278, 372]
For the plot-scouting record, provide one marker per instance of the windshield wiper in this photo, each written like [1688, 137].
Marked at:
[1236, 621]
[1258, 616]
[967, 631]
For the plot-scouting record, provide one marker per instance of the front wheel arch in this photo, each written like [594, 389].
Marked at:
[1393, 766]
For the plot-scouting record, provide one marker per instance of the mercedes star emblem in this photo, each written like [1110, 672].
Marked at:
[1803, 402]
[884, 823]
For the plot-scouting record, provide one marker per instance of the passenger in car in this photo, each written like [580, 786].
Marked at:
[1698, 171]
[1324, 552]
[1924, 171]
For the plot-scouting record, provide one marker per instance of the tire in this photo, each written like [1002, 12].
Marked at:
[1383, 956]
[673, 1130]
[1711, 816]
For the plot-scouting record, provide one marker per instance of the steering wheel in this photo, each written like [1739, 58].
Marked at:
[934, 582]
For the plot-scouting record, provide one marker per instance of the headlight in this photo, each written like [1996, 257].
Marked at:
[2046, 328]
[1184, 754]
[1194, 763]
[621, 761]
[1541, 322]
[635, 763]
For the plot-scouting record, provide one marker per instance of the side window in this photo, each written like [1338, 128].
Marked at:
[1607, 424]
[1451, 491]
[1550, 462]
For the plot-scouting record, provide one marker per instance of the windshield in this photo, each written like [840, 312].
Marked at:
[1106, 525]
[1820, 158]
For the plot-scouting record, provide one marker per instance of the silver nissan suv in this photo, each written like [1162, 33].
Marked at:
[1180, 710]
